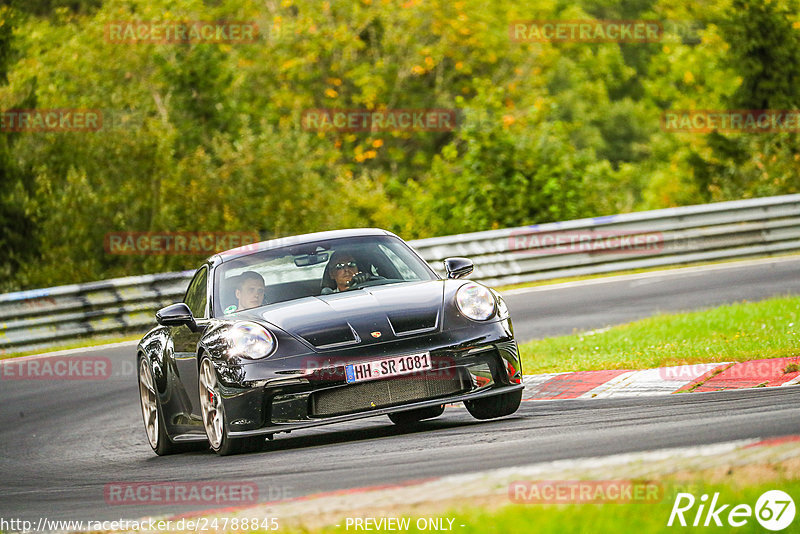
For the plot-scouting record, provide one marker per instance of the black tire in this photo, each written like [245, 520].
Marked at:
[240, 445]
[414, 416]
[226, 445]
[163, 444]
[496, 406]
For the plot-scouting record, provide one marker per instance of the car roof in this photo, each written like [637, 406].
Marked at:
[253, 248]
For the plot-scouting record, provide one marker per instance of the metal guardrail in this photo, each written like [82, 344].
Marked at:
[708, 232]
[41, 318]
[757, 227]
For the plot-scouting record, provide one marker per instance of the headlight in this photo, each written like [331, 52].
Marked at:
[475, 301]
[251, 341]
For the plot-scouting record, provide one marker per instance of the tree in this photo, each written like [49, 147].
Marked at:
[16, 226]
[765, 54]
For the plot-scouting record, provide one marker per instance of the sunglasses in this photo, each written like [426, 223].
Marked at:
[350, 264]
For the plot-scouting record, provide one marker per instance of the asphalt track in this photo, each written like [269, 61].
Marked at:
[63, 441]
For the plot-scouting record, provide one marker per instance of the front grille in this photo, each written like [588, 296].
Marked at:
[382, 393]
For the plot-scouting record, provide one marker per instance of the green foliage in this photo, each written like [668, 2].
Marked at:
[765, 47]
[764, 40]
[209, 137]
[47, 7]
[15, 180]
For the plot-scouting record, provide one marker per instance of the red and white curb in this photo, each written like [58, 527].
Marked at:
[663, 380]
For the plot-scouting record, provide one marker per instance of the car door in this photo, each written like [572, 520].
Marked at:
[185, 341]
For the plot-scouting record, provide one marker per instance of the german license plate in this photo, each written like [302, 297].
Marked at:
[387, 367]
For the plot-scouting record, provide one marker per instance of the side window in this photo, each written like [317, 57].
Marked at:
[196, 294]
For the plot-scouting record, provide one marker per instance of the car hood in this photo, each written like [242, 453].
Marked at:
[361, 316]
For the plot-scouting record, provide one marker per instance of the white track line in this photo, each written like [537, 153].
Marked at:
[793, 382]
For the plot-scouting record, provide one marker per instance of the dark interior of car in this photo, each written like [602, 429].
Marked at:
[376, 263]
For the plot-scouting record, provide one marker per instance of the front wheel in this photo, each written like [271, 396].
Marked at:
[414, 416]
[214, 416]
[152, 413]
[497, 406]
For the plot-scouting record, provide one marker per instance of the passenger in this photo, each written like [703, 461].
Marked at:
[250, 292]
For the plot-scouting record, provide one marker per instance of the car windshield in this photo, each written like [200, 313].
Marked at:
[314, 269]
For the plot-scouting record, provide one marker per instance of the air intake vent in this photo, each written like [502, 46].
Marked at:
[330, 337]
[413, 321]
[381, 393]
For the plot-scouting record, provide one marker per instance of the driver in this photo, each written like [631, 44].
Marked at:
[250, 291]
[343, 270]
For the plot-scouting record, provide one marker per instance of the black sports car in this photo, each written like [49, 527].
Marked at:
[317, 329]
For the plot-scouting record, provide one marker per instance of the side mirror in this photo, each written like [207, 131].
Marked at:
[458, 267]
[176, 315]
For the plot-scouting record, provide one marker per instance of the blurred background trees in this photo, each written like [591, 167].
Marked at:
[208, 137]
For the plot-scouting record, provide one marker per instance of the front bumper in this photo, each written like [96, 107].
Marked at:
[288, 427]
[298, 395]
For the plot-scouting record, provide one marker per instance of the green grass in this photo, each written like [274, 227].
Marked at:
[737, 332]
[641, 518]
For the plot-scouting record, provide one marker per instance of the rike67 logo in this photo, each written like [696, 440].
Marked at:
[774, 510]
